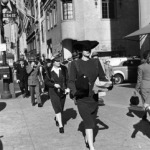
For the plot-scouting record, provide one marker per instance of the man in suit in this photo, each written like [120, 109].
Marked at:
[22, 78]
[34, 80]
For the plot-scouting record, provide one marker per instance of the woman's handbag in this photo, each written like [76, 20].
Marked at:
[101, 86]
[134, 100]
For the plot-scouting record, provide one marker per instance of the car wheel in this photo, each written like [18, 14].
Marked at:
[118, 78]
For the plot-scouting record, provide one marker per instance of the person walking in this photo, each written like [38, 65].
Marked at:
[108, 70]
[143, 83]
[86, 102]
[56, 79]
[34, 80]
[22, 78]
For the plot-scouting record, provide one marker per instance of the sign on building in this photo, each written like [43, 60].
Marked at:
[2, 47]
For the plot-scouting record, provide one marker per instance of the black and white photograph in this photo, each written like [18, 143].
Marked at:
[74, 74]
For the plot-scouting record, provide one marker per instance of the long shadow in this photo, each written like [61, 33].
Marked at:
[135, 111]
[96, 129]
[1, 144]
[68, 114]
[141, 126]
[44, 98]
[2, 105]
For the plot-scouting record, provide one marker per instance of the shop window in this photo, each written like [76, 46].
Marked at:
[108, 9]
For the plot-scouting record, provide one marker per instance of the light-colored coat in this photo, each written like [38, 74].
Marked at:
[143, 80]
[34, 75]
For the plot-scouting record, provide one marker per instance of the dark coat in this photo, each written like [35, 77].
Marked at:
[51, 78]
[21, 72]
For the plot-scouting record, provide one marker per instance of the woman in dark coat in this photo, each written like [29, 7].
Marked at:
[56, 79]
[87, 105]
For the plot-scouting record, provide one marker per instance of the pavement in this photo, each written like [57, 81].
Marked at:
[26, 127]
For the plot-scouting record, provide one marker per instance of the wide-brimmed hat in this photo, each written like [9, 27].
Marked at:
[85, 45]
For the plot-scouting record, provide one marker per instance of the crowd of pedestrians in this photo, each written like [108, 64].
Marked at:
[36, 77]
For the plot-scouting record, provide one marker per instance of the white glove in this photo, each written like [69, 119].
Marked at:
[57, 86]
[67, 91]
[18, 81]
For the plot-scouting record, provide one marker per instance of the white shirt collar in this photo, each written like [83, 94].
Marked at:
[56, 70]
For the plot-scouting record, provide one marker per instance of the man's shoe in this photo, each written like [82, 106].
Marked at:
[61, 130]
[40, 105]
[33, 104]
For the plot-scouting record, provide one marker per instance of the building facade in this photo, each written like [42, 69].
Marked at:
[102, 20]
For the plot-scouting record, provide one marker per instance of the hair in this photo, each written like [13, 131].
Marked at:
[146, 54]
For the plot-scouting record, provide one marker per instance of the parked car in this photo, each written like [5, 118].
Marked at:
[126, 70]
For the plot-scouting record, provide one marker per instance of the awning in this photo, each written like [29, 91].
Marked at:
[143, 31]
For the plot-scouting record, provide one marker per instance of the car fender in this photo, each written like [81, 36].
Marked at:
[119, 72]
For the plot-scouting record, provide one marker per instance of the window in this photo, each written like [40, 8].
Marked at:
[48, 21]
[51, 19]
[41, 8]
[42, 31]
[108, 9]
[67, 7]
[55, 15]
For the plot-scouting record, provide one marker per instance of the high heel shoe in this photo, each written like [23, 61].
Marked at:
[61, 130]
[57, 124]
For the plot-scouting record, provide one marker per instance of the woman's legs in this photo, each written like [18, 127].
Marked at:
[89, 138]
[59, 119]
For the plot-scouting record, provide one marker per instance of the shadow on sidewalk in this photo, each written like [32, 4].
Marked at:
[135, 111]
[44, 98]
[2, 105]
[96, 129]
[69, 114]
[141, 126]
[1, 144]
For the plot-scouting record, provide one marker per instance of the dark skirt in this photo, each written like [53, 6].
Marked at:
[57, 101]
[88, 108]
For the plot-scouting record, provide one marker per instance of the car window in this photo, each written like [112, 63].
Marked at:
[126, 63]
[132, 63]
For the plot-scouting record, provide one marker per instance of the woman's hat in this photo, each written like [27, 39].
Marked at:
[85, 45]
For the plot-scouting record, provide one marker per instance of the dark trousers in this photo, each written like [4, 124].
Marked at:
[24, 86]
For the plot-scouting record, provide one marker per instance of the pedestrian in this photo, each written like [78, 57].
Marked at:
[108, 70]
[86, 99]
[34, 80]
[46, 66]
[143, 83]
[22, 78]
[56, 79]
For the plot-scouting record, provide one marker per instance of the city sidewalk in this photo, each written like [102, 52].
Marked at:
[26, 127]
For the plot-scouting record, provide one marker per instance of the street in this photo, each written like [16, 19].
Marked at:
[26, 127]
